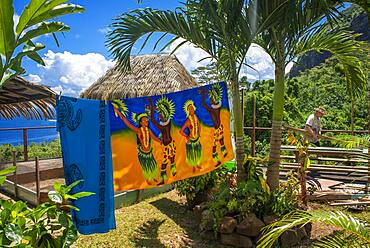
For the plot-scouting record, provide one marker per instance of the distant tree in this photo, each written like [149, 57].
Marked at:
[207, 74]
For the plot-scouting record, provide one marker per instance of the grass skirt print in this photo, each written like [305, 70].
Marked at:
[193, 152]
[148, 164]
[161, 139]
[193, 146]
[144, 138]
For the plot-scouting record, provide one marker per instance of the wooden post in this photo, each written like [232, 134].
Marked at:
[138, 196]
[25, 145]
[254, 127]
[353, 116]
[37, 179]
[15, 174]
[302, 177]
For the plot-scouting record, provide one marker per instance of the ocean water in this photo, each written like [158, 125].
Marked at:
[34, 135]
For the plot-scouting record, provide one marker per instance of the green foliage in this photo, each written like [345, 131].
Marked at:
[349, 141]
[208, 73]
[323, 85]
[356, 232]
[253, 196]
[47, 225]
[16, 42]
[42, 150]
[285, 199]
[191, 187]
[5, 172]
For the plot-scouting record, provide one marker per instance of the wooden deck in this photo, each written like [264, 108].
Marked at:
[22, 184]
[49, 169]
[341, 164]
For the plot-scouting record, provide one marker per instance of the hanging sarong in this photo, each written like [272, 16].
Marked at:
[157, 140]
[84, 131]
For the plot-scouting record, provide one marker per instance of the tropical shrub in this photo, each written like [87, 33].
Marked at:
[196, 189]
[253, 196]
[285, 199]
[47, 225]
[42, 150]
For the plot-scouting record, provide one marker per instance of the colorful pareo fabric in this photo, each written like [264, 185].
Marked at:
[162, 139]
[84, 131]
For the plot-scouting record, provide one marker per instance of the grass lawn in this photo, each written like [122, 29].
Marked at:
[161, 221]
[164, 221]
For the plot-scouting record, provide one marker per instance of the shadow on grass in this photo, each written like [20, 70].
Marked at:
[186, 220]
[147, 234]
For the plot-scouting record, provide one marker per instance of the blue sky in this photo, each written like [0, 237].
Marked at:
[87, 29]
[82, 56]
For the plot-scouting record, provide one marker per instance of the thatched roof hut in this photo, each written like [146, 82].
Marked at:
[19, 97]
[152, 74]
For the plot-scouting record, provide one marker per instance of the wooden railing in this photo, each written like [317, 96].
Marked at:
[25, 136]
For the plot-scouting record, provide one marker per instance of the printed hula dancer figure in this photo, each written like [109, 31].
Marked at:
[144, 138]
[215, 96]
[165, 109]
[193, 146]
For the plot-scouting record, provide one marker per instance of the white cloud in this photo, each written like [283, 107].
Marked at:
[65, 91]
[189, 55]
[288, 67]
[104, 30]
[34, 78]
[72, 73]
[261, 62]
[15, 20]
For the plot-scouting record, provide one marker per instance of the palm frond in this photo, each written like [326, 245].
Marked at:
[352, 226]
[340, 239]
[129, 28]
[344, 47]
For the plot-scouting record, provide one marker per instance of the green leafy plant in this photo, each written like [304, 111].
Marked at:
[285, 198]
[238, 199]
[196, 189]
[47, 225]
[355, 232]
[254, 195]
[17, 40]
[5, 172]
[42, 150]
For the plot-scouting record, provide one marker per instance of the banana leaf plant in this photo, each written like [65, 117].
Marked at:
[17, 40]
[47, 225]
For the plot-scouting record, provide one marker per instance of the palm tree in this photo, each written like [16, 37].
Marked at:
[221, 28]
[297, 32]
[16, 42]
[355, 232]
[363, 4]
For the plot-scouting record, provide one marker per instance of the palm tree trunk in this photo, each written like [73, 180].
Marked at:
[275, 141]
[368, 148]
[353, 116]
[239, 133]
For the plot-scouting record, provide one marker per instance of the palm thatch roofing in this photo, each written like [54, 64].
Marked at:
[153, 74]
[19, 97]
